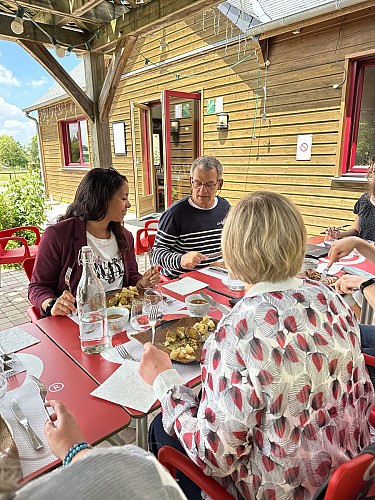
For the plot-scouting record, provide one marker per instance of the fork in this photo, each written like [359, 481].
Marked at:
[324, 274]
[42, 391]
[152, 320]
[68, 274]
[120, 348]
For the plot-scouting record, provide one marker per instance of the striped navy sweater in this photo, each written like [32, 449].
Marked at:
[184, 228]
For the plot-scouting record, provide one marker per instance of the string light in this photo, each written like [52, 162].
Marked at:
[17, 23]
[17, 26]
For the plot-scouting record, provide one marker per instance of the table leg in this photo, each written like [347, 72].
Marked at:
[141, 432]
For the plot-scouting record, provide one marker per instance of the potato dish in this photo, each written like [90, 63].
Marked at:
[315, 275]
[124, 297]
[184, 341]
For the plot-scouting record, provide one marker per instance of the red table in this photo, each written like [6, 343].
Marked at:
[65, 381]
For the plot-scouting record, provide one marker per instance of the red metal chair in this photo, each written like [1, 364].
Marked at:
[17, 255]
[32, 311]
[144, 240]
[173, 459]
[352, 480]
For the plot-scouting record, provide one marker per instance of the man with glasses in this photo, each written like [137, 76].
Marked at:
[189, 232]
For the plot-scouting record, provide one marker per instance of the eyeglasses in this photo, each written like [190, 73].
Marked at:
[208, 185]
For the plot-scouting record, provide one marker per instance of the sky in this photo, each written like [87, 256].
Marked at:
[22, 81]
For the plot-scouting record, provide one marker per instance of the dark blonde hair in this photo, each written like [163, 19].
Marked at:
[264, 238]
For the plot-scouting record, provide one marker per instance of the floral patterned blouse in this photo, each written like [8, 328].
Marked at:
[285, 393]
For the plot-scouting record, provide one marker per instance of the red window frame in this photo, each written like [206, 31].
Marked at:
[353, 112]
[66, 143]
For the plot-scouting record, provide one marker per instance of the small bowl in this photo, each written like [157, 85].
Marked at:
[309, 264]
[196, 305]
[117, 318]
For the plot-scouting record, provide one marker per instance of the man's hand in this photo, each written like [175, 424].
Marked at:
[341, 249]
[191, 259]
[66, 433]
[349, 283]
[153, 362]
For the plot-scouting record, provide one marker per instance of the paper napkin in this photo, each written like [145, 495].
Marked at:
[14, 339]
[31, 404]
[185, 286]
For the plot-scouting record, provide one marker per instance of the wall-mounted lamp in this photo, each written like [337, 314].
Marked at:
[175, 126]
[17, 24]
[222, 121]
[296, 31]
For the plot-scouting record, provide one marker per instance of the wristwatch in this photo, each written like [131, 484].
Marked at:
[49, 306]
[367, 283]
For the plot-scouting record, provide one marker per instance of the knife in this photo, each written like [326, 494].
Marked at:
[18, 413]
[220, 307]
[218, 269]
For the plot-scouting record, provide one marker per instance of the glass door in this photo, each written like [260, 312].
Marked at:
[143, 163]
[181, 134]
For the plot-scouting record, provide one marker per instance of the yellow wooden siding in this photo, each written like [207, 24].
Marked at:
[300, 99]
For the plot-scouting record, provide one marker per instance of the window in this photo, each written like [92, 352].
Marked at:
[359, 125]
[75, 143]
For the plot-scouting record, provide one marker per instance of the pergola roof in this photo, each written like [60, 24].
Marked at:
[95, 25]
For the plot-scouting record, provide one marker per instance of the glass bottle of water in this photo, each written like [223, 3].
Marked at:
[91, 306]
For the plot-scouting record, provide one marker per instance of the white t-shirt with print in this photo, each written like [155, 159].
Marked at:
[108, 263]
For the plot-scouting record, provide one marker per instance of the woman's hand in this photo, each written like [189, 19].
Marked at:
[349, 283]
[341, 249]
[153, 363]
[332, 233]
[64, 305]
[151, 278]
[61, 436]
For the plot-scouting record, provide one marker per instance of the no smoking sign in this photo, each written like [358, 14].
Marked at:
[304, 144]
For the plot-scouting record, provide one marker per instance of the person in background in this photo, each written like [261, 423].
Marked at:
[349, 284]
[286, 397]
[94, 474]
[190, 230]
[364, 210]
[95, 218]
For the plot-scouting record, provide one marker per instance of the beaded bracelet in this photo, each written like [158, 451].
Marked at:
[76, 448]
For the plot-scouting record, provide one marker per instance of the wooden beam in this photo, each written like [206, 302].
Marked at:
[99, 132]
[120, 57]
[151, 17]
[31, 32]
[49, 63]
[77, 13]
[62, 8]
[260, 53]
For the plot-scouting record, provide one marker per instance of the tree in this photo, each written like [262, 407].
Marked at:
[12, 154]
[33, 153]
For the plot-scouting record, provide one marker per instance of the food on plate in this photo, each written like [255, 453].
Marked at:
[184, 341]
[315, 275]
[124, 297]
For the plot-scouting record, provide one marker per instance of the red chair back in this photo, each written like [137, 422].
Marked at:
[353, 479]
[152, 223]
[173, 459]
[28, 265]
[144, 240]
[17, 255]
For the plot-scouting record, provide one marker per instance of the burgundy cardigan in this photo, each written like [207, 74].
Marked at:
[58, 250]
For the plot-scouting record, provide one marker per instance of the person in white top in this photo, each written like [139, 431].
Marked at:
[94, 218]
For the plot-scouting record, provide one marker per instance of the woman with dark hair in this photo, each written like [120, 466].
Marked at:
[94, 218]
[364, 210]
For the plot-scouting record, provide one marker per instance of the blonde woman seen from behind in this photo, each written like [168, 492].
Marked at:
[285, 393]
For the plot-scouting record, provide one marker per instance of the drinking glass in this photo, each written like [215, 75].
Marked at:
[152, 298]
[3, 380]
[235, 285]
[138, 316]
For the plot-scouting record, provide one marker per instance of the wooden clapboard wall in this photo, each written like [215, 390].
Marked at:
[259, 149]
